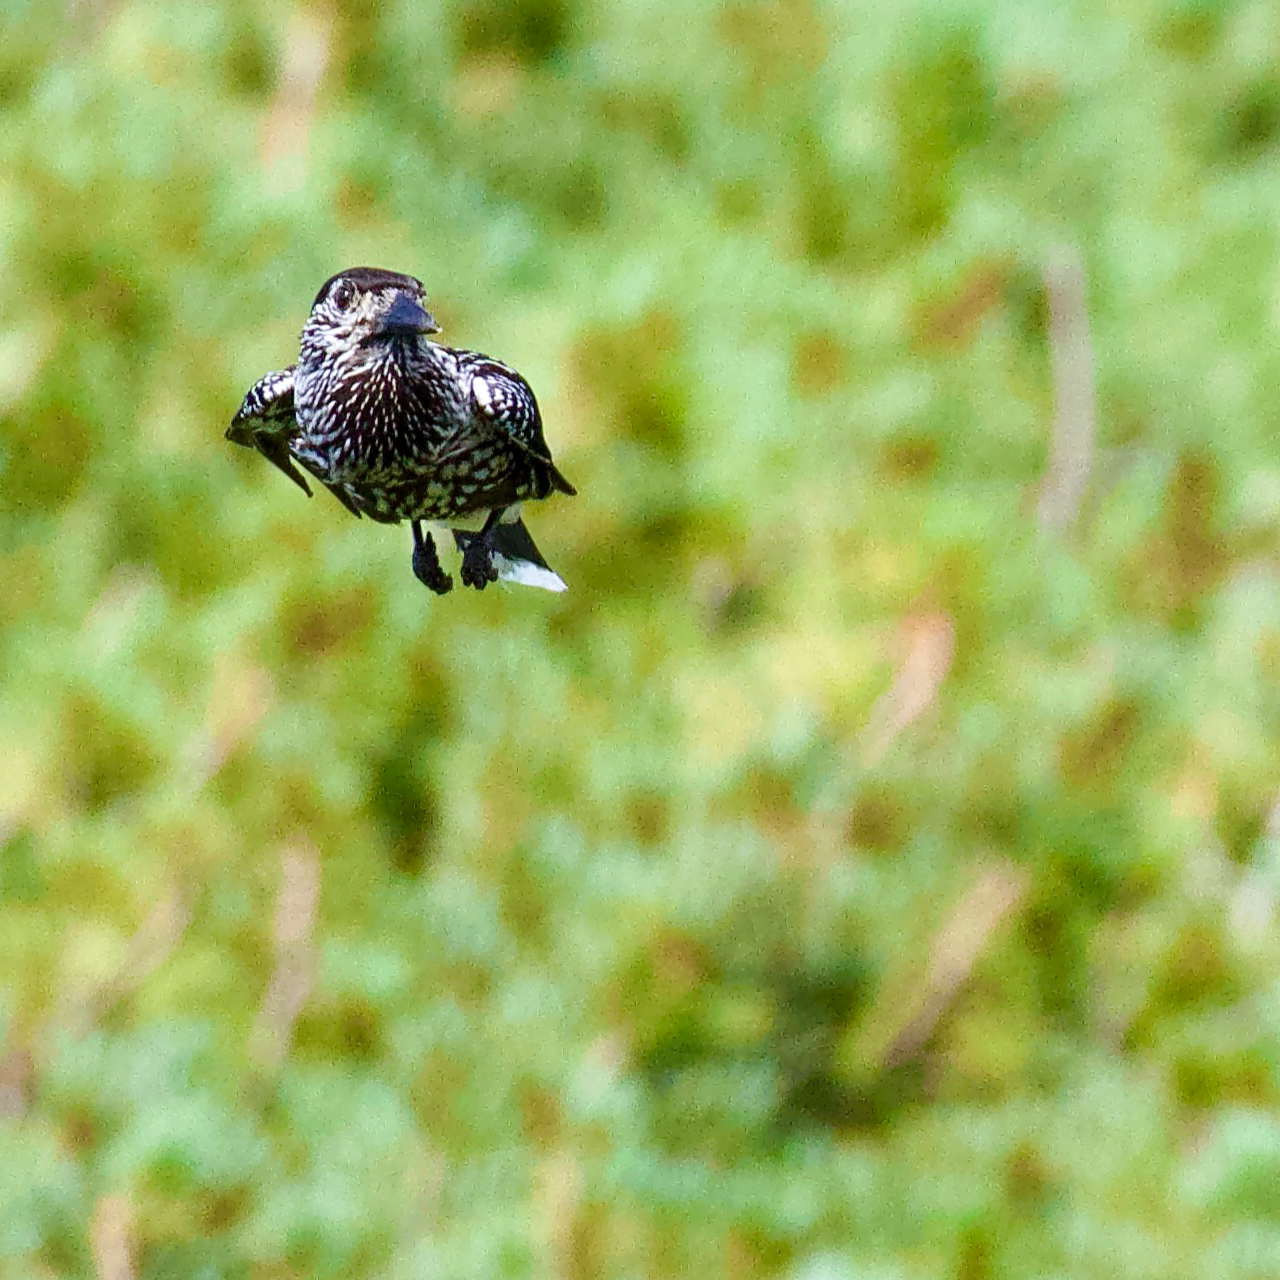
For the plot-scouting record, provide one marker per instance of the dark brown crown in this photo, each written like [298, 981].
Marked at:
[367, 278]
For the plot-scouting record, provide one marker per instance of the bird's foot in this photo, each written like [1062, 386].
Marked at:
[426, 563]
[478, 568]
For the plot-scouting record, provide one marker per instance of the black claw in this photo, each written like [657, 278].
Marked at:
[426, 563]
[478, 568]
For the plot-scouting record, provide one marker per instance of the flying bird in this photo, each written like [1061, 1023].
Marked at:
[398, 427]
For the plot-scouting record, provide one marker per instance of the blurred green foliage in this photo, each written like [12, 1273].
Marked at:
[846, 879]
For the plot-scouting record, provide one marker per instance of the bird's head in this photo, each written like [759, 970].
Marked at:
[364, 307]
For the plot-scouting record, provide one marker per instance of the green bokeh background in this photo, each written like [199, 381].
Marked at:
[848, 879]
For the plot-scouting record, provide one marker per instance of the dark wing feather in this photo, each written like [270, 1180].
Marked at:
[266, 421]
[505, 402]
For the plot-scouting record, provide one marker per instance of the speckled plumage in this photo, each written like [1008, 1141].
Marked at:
[401, 428]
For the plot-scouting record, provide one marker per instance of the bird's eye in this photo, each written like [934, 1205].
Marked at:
[343, 295]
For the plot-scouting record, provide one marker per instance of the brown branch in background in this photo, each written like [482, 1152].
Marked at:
[155, 940]
[295, 966]
[930, 647]
[109, 1239]
[911, 1006]
[149, 948]
[286, 138]
[1071, 353]
[956, 949]
[15, 1083]
[241, 695]
[954, 320]
[558, 1217]
[84, 20]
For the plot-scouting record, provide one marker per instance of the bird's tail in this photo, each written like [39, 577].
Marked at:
[514, 554]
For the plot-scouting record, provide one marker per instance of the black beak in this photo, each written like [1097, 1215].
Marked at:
[406, 317]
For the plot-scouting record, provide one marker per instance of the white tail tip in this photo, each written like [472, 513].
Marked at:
[528, 575]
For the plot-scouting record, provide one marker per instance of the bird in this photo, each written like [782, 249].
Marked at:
[398, 427]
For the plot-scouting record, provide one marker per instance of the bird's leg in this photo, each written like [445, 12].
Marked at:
[478, 568]
[426, 563]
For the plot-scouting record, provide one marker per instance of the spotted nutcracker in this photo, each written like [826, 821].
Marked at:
[398, 427]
